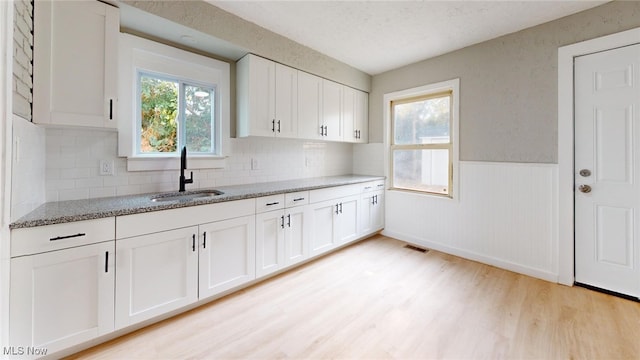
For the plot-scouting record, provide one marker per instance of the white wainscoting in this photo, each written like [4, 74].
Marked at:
[505, 216]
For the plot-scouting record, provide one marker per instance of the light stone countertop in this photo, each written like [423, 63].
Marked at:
[76, 210]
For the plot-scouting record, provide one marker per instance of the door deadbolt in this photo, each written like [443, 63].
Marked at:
[584, 188]
[585, 172]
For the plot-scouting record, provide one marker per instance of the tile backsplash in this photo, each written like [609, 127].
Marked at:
[73, 157]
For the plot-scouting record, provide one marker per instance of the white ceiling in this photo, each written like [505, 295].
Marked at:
[376, 36]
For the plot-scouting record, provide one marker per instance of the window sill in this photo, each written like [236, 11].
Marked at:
[173, 163]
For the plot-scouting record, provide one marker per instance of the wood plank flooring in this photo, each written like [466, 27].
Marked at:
[377, 299]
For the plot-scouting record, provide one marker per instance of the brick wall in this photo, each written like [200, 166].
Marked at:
[23, 58]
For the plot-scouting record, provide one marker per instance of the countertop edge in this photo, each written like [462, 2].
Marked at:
[233, 193]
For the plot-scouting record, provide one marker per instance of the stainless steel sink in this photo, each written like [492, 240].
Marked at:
[187, 196]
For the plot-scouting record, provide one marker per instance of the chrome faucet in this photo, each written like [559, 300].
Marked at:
[183, 167]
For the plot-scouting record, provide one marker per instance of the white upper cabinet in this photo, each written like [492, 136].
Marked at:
[267, 98]
[75, 63]
[355, 110]
[310, 123]
[277, 100]
[332, 110]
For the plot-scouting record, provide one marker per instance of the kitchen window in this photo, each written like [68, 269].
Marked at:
[423, 141]
[175, 113]
[170, 98]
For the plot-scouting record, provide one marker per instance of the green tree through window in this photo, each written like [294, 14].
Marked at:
[174, 114]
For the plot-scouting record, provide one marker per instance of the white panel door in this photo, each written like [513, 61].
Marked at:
[156, 273]
[270, 233]
[309, 106]
[62, 298]
[296, 235]
[322, 231]
[607, 157]
[286, 102]
[262, 92]
[332, 110]
[349, 103]
[75, 77]
[347, 219]
[227, 255]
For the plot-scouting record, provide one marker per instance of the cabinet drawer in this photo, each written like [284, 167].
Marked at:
[373, 186]
[268, 203]
[320, 195]
[61, 236]
[296, 199]
[156, 221]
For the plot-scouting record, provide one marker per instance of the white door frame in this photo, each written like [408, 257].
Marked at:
[566, 54]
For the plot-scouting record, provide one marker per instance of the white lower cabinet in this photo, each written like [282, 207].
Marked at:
[227, 255]
[62, 285]
[333, 223]
[296, 239]
[372, 212]
[155, 273]
[281, 235]
[74, 282]
[347, 219]
[322, 224]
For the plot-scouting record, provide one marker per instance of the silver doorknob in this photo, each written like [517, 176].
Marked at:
[585, 172]
[584, 188]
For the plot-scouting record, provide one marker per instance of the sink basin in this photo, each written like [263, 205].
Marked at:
[187, 196]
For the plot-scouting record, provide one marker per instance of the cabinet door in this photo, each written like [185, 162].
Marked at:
[227, 255]
[62, 298]
[371, 212]
[361, 117]
[322, 229]
[309, 106]
[377, 213]
[296, 235]
[76, 69]
[349, 114]
[260, 90]
[366, 211]
[286, 102]
[347, 219]
[331, 110]
[156, 273]
[270, 234]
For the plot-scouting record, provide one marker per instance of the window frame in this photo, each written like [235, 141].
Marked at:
[424, 93]
[136, 55]
[181, 136]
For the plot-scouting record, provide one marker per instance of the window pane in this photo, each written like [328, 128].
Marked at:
[422, 121]
[422, 170]
[159, 107]
[198, 118]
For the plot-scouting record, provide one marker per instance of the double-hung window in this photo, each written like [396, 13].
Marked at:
[422, 146]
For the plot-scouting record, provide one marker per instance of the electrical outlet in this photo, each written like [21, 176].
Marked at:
[254, 164]
[107, 167]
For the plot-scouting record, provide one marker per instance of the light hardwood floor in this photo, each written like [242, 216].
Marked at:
[377, 299]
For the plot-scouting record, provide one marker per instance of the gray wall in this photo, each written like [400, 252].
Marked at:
[508, 86]
[214, 21]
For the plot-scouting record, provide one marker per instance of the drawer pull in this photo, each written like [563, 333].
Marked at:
[367, 187]
[67, 237]
[298, 199]
[273, 203]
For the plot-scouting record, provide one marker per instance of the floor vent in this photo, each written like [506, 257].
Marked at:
[411, 247]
